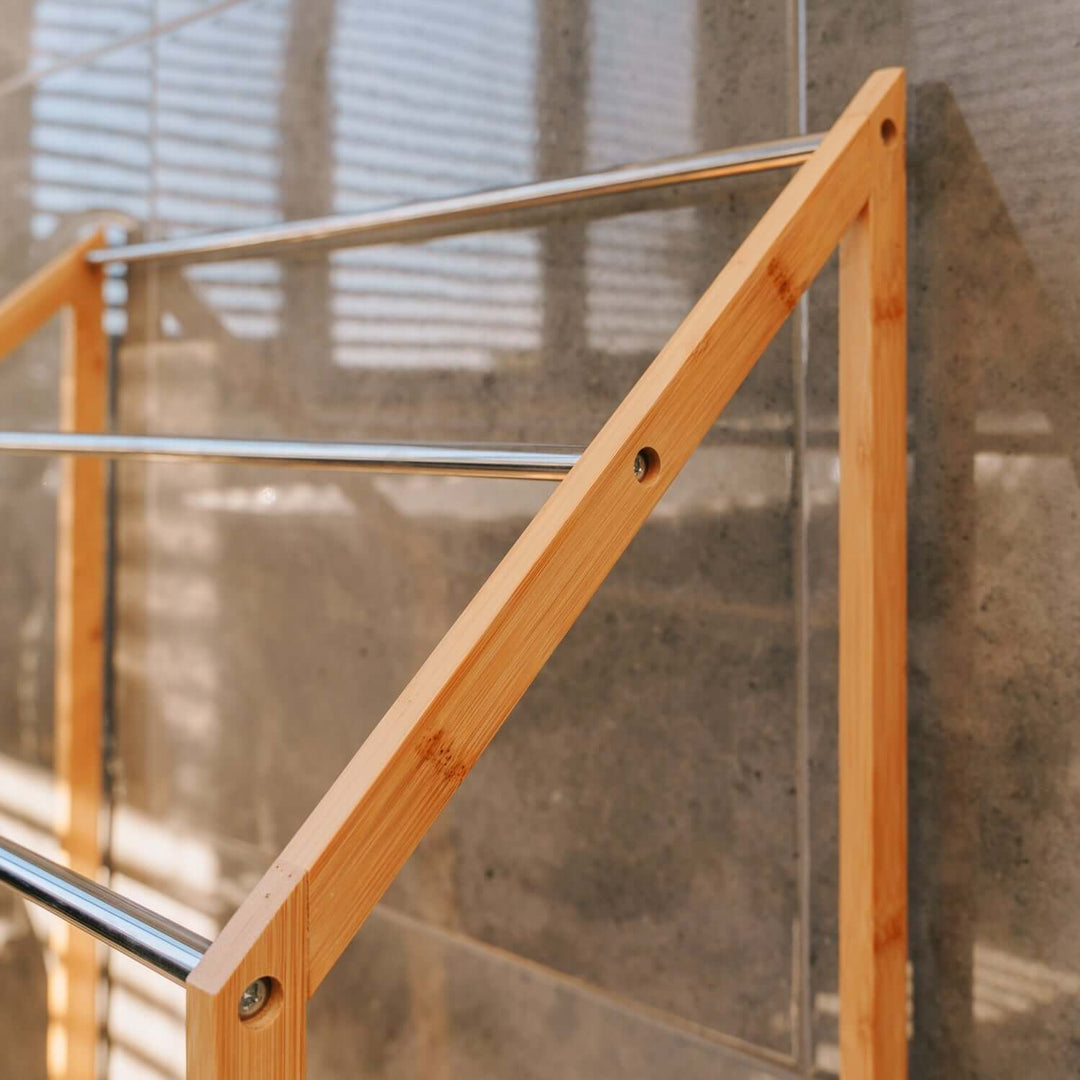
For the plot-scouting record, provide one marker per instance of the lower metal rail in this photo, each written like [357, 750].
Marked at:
[159, 943]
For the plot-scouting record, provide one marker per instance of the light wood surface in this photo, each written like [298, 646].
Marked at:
[269, 932]
[80, 657]
[33, 303]
[873, 623]
[69, 282]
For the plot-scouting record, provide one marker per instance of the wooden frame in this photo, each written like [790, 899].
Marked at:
[294, 925]
[359, 836]
[71, 284]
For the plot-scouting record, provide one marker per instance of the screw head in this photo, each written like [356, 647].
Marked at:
[641, 466]
[254, 998]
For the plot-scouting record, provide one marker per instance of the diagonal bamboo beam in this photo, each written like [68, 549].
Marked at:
[296, 923]
[40, 297]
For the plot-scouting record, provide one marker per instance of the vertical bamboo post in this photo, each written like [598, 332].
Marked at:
[266, 939]
[80, 614]
[873, 597]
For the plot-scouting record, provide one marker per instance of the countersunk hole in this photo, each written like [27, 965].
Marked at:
[646, 465]
[260, 1002]
[888, 131]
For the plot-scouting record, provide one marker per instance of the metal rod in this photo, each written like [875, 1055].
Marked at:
[451, 459]
[159, 943]
[459, 213]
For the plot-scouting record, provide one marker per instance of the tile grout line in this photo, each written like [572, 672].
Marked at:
[802, 991]
[30, 76]
[749, 1054]
[114, 382]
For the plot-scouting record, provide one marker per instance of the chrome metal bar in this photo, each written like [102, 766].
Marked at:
[449, 459]
[159, 943]
[460, 213]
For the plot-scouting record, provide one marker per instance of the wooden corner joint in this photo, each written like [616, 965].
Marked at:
[265, 940]
[68, 280]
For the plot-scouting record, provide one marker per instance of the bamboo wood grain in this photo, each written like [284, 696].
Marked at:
[295, 924]
[358, 837]
[80, 658]
[269, 932]
[33, 303]
[376, 812]
[873, 626]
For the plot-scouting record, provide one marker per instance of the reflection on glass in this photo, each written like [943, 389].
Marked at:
[276, 110]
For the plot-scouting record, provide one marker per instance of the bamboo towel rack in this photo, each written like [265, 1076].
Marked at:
[247, 991]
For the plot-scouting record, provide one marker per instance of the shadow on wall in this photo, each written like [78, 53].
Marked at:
[22, 992]
[994, 877]
[992, 689]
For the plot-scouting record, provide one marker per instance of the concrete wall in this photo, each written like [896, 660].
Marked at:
[621, 888]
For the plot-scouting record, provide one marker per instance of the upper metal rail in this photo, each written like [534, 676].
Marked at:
[495, 460]
[162, 945]
[460, 213]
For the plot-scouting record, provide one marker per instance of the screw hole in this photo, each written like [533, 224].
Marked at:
[646, 465]
[259, 1001]
[888, 131]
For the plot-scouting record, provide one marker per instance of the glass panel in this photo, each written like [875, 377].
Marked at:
[633, 826]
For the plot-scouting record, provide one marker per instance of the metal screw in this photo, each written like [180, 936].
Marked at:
[253, 1000]
[641, 466]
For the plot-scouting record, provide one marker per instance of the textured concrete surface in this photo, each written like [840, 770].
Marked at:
[615, 890]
